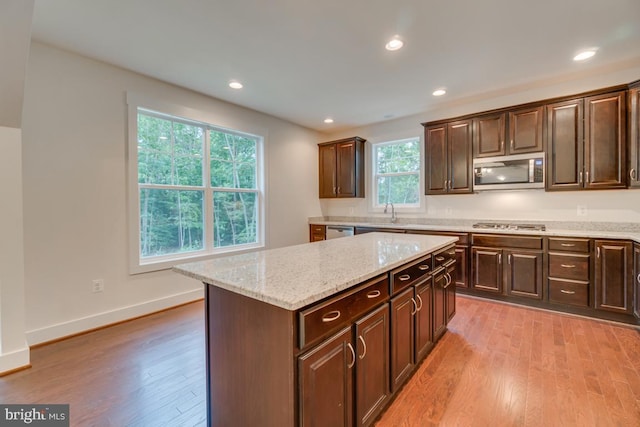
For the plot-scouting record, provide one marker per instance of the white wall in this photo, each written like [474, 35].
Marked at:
[604, 205]
[74, 169]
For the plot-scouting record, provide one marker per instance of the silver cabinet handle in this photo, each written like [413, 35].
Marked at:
[415, 307]
[373, 294]
[335, 190]
[423, 267]
[353, 355]
[445, 185]
[509, 259]
[499, 258]
[632, 174]
[567, 292]
[638, 277]
[338, 190]
[580, 178]
[567, 245]
[331, 316]
[567, 266]
[364, 347]
[404, 277]
[586, 177]
[511, 144]
[598, 252]
[439, 258]
[420, 300]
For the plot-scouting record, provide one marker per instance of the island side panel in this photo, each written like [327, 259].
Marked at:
[250, 361]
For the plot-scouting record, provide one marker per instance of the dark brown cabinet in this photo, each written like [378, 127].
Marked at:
[341, 168]
[614, 276]
[326, 382]
[586, 143]
[636, 279]
[514, 132]
[317, 232]
[569, 271]
[448, 159]
[439, 303]
[507, 265]
[634, 135]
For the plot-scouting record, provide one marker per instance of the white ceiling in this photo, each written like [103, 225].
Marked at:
[304, 60]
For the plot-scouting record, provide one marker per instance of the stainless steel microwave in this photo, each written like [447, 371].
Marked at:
[509, 172]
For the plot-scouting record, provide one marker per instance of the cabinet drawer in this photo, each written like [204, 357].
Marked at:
[410, 274]
[498, 241]
[444, 257]
[323, 318]
[569, 266]
[569, 292]
[568, 245]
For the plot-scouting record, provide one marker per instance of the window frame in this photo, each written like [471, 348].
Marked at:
[146, 105]
[373, 186]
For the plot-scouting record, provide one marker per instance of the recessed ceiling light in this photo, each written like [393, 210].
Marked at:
[394, 44]
[328, 120]
[235, 84]
[585, 54]
[439, 92]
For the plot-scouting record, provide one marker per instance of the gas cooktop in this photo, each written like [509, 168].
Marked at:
[509, 226]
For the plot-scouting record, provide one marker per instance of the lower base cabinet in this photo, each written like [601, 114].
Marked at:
[326, 374]
[613, 276]
[636, 277]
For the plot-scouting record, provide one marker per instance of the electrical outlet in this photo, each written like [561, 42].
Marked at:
[97, 285]
[582, 210]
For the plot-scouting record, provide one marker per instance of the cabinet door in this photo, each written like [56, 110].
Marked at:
[346, 169]
[439, 301]
[325, 375]
[634, 137]
[605, 141]
[462, 266]
[424, 322]
[525, 130]
[436, 161]
[486, 265]
[636, 276]
[450, 293]
[565, 145]
[488, 136]
[327, 170]
[460, 157]
[614, 282]
[403, 309]
[524, 273]
[372, 365]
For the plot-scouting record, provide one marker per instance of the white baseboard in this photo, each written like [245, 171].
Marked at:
[14, 360]
[76, 326]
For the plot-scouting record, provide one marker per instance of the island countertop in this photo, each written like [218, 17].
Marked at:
[295, 276]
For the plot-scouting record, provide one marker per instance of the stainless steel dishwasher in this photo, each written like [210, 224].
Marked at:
[335, 231]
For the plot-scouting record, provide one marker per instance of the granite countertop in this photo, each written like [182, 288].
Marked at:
[593, 230]
[295, 276]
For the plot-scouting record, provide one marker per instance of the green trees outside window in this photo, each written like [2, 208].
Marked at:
[397, 173]
[192, 176]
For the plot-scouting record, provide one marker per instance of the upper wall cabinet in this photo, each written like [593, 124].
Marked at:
[341, 168]
[514, 132]
[448, 162]
[586, 143]
[634, 135]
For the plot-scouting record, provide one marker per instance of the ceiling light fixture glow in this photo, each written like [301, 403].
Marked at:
[394, 44]
[439, 92]
[328, 120]
[585, 54]
[235, 84]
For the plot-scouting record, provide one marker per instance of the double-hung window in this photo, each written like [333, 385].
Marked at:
[397, 173]
[198, 191]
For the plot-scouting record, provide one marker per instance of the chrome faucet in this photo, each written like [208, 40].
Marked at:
[393, 212]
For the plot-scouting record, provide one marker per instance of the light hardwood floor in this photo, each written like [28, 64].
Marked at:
[496, 365]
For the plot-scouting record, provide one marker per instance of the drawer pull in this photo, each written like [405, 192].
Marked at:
[353, 354]
[331, 316]
[404, 277]
[452, 253]
[415, 307]
[364, 347]
[567, 292]
[420, 301]
[373, 294]
[439, 258]
[567, 266]
[638, 277]
[568, 245]
[423, 267]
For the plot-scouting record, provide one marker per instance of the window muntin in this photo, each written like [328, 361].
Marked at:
[188, 208]
[396, 168]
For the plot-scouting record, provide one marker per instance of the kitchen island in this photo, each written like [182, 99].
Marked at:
[322, 333]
